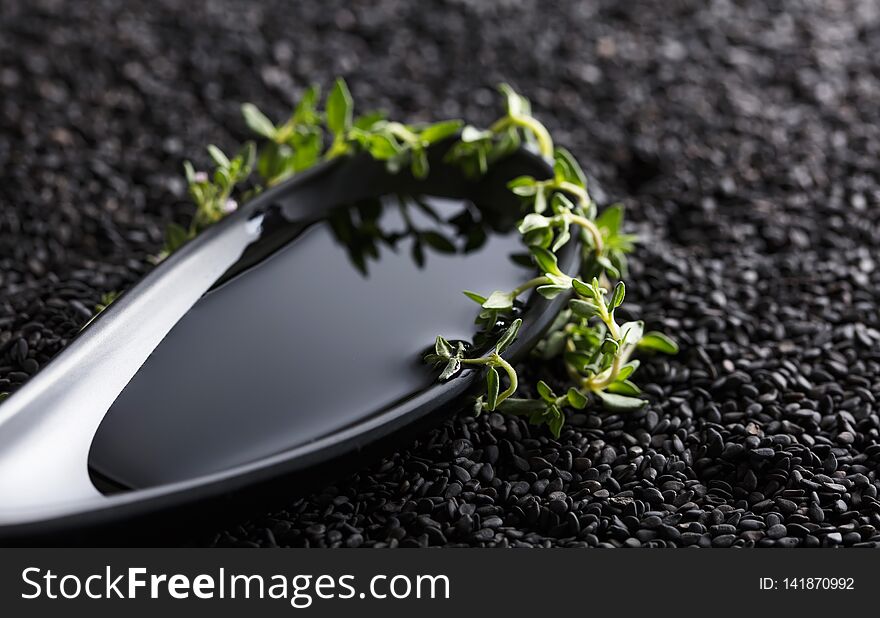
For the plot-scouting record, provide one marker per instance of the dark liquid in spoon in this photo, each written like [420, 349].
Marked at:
[305, 337]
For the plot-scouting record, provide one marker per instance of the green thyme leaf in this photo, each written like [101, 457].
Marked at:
[533, 221]
[513, 100]
[475, 297]
[257, 121]
[551, 291]
[471, 134]
[624, 387]
[627, 370]
[340, 108]
[611, 219]
[631, 332]
[492, 381]
[368, 121]
[218, 157]
[524, 186]
[658, 342]
[582, 288]
[440, 131]
[566, 168]
[576, 399]
[583, 308]
[443, 348]
[451, 368]
[545, 392]
[563, 237]
[499, 301]
[555, 421]
[617, 296]
[540, 200]
[509, 336]
[579, 360]
[546, 261]
[610, 346]
[621, 403]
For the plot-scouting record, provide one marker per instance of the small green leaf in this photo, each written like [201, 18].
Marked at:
[563, 237]
[566, 168]
[451, 368]
[248, 156]
[538, 238]
[218, 157]
[304, 112]
[609, 346]
[560, 203]
[499, 301]
[624, 387]
[577, 360]
[471, 134]
[524, 186]
[583, 289]
[367, 121]
[380, 146]
[545, 392]
[631, 332]
[546, 261]
[611, 219]
[620, 403]
[608, 265]
[551, 291]
[583, 308]
[533, 221]
[658, 342]
[339, 108]
[514, 101]
[492, 381]
[440, 130]
[576, 399]
[556, 420]
[540, 200]
[189, 173]
[617, 295]
[627, 370]
[257, 121]
[509, 336]
[475, 297]
[443, 348]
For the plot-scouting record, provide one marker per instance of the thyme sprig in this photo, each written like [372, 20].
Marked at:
[212, 194]
[299, 143]
[595, 348]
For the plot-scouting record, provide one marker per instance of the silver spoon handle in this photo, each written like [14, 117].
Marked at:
[47, 426]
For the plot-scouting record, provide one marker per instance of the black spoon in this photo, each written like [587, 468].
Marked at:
[283, 344]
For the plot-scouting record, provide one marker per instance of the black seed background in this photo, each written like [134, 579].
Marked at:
[743, 138]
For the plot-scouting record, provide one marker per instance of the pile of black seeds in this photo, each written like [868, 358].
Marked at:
[745, 141]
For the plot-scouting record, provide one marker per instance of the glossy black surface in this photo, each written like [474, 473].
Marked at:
[320, 325]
